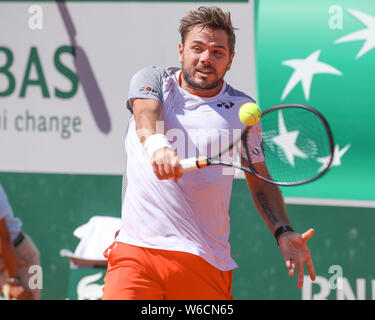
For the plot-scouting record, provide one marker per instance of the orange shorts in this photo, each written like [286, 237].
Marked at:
[137, 273]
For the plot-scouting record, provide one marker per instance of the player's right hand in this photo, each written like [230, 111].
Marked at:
[166, 164]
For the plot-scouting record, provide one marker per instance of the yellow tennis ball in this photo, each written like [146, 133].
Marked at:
[249, 113]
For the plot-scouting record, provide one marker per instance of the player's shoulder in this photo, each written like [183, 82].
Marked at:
[234, 93]
[3, 202]
[2, 192]
[156, 71]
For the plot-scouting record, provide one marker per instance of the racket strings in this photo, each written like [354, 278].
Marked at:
[296, 145]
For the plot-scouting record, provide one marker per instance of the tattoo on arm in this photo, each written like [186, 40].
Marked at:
[264, 204]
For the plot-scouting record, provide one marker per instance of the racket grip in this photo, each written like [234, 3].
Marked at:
[190, 164]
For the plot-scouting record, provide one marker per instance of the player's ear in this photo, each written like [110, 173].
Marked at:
[230, 61]
[180, 51]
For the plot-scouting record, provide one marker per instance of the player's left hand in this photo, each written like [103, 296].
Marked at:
[296, 253]
[166, 164]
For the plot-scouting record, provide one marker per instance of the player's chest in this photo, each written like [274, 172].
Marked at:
[212, 116]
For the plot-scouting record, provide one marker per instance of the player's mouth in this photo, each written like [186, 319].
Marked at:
[205, 71]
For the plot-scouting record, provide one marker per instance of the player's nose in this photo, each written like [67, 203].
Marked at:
[206, 57]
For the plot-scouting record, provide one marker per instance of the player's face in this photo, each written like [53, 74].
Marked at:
[205, 57]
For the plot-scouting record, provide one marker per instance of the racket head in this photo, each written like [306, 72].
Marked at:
[298, 145]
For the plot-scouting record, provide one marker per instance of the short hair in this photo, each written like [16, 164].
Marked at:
[208, 17]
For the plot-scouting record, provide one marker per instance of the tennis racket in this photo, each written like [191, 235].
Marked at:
[297, 145]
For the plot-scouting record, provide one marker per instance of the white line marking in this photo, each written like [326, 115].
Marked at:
[330, 202]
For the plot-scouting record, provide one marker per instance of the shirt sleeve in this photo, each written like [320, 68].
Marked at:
[4, 204]
[147, 83]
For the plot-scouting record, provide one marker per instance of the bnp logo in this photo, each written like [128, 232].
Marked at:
[308, 69]
[82, 73]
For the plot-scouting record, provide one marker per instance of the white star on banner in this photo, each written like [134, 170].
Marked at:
[367, 34]
[304, 71]
[337, 155]
[287, 141]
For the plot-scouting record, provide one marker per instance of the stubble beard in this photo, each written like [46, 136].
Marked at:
[189, 79]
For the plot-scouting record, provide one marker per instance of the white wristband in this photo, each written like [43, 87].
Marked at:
[156, 142]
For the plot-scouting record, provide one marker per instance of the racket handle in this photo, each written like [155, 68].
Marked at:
[190, 164]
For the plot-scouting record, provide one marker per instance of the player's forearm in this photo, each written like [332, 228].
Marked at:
[147, 113]
[270, 204]
[267, 198]
[7, 251]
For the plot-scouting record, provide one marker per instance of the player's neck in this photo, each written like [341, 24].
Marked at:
[204, 93]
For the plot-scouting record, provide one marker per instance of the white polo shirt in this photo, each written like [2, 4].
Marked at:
[191, 215]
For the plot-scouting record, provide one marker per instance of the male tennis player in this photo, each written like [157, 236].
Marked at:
[174, 240]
